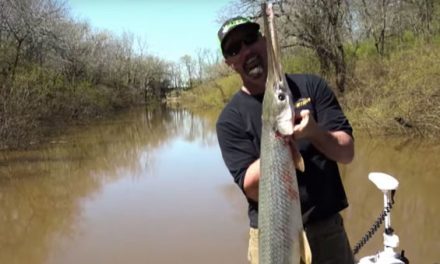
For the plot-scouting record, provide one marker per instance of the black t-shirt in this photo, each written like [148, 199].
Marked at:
[239, 135]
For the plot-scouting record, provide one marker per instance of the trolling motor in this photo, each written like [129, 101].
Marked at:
[388, 185]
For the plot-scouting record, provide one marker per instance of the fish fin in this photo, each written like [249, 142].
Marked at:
[306, 215]
[297, 158]
[306, 253]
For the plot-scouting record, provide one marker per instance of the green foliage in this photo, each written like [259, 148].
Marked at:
[216, 93]
[39, 98]
[399, 94]
[436, 40]
[54, 69]
[408, 37]
[74, 72]
[212, 94]
[364, 49]
[300, 60]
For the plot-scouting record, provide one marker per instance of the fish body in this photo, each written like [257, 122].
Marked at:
[279, 210]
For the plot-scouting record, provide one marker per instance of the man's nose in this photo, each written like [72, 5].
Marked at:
[245, 49]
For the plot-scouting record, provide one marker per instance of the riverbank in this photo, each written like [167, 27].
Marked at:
[396, 95]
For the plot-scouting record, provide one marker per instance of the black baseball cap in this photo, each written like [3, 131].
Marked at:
[234, 23]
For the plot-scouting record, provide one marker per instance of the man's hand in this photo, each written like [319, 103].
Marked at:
[336, 145]
[307, 128]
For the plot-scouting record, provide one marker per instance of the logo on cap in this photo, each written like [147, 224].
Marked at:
[234, 23]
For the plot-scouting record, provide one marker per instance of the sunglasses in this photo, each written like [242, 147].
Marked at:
[234, 48]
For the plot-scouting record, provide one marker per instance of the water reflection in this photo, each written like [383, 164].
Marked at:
[45, 192]
[416, 165]
[149, 186]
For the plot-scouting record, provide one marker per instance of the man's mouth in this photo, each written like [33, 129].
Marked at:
[253, 66]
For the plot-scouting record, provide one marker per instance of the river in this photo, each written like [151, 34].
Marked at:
[149, 186]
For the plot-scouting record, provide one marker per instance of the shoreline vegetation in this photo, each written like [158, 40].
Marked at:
[398, 95]
[56, 70]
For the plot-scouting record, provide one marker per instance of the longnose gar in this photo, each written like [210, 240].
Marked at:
[279, 213]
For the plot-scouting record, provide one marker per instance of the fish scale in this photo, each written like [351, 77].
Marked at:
[279, 219]
[279, 209]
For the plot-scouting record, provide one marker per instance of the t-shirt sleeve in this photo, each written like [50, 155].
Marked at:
[237, 148]
[329, 113]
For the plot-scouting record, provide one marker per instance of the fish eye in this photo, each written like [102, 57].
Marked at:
[282, 97]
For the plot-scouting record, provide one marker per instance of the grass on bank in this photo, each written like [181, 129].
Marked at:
[212, 94]
[215, 93]
[398, 94]
[38, 99]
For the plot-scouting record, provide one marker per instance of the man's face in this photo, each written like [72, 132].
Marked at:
[245, 51]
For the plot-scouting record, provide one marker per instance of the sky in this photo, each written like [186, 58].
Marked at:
[171, 28]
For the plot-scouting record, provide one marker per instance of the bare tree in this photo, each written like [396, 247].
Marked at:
[377, 16]
[313, 24]
[175, 76]
[75, 49]
[188, 65]
[26, 20]
[318, 25]
[424, 12]
[208, 62]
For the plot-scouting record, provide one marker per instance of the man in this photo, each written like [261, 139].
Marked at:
[323, 136]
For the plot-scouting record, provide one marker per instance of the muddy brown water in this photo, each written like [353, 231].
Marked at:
[149, 186]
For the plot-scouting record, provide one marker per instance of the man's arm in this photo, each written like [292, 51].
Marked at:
[326, 127]
[336, 145]
[239, 153]
[251, 180]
